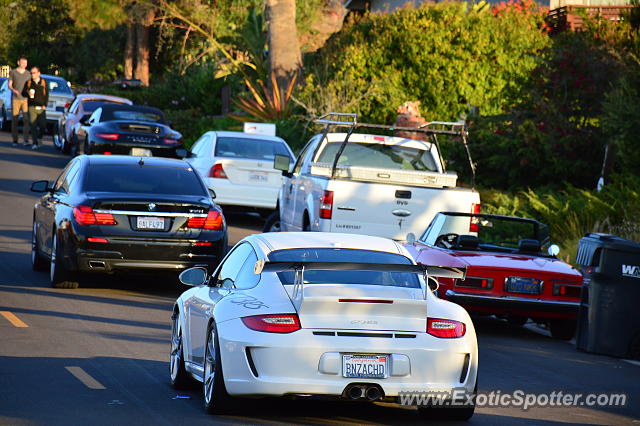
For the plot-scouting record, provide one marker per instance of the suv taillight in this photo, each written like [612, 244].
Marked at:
[326, 205]
[446, 329]
[473, 224]
[85, 215]
[213, 221]
[217, 172]
[273, 323]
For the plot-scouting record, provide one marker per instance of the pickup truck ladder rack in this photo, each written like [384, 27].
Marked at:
[431, 129]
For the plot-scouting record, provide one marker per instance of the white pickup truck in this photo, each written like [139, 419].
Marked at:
[368, 184]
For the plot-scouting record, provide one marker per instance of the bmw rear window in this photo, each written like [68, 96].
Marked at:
[394, 279]
[255, 149]
[143, 179]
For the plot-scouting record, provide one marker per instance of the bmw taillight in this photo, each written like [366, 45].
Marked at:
[445, 329]
[326, 205]
[109, 136]
[213, 221]
[273, 323]
[473, 224]
[85, 215]
[217, 172]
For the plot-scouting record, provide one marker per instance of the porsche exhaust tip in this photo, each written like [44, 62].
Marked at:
[373, 393]
[355, 392]
[363, 391]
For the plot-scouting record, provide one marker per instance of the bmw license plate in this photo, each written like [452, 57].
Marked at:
[141, 152]
[523, 285]
[365, 366]
[150, 223]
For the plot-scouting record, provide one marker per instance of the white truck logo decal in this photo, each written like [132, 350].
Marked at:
[632, 271]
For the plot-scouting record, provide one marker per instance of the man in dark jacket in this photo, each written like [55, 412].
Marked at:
[38, 98]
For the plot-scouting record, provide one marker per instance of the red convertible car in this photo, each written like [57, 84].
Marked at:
[509, 272]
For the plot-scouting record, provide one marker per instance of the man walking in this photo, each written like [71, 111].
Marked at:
[38, 97]
[18, 77]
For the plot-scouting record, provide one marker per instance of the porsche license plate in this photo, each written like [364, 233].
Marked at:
[141, 152]
[150, 223]
[365, 366]
[523, 285]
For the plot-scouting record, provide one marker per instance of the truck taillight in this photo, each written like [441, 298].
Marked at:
[445, 329]
[85, 216]
[473, 224]
[217, 172]
[326, 205]
[212, 222]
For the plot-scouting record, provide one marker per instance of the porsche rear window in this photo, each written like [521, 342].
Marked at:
[143, 179]
[394, 279]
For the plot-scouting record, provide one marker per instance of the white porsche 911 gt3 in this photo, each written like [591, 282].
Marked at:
[322, 314]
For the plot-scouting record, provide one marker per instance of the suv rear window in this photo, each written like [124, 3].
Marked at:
[255, 149]
[379, 156]
[395, 279]
[143, 179]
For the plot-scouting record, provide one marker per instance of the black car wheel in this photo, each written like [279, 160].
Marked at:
[272, 223]
[59, 275]
[216, 398]
[38, 262]
[5, 123]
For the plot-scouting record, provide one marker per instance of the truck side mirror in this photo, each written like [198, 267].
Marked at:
[282, 163]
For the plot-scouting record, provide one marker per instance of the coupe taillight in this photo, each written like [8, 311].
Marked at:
[171, 141]
[445, 329]
[473, 224]
[109, 136]
[326, 205]
[213, 221]
[217, 172]
[85, 215]
[273, 323]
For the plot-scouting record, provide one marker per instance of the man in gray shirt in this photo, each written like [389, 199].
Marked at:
[18, 77]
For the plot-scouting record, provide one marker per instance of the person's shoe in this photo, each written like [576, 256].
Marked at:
[34, 147]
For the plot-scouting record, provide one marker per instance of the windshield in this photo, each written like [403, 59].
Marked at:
[486, 232]
[133, 178]
[255, 149]
[396, 279]
[58, 86]
[379, 156]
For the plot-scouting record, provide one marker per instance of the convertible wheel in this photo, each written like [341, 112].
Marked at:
[38, 263]
[273, 222]
[562, 329]
[216, 398]
[59, 275]
[180, 379]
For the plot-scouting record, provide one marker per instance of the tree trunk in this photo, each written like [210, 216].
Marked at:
[128, 51]
[143, 27]
[284, 49]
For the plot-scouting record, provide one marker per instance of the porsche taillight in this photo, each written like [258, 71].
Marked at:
[85, 215]
[213, 221]
[445, 329]
[273, 323]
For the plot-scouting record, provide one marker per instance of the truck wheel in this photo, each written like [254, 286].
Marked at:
[273, 222]
[562, 329]
[306, 225]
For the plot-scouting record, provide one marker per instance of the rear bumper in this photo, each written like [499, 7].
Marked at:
[124, 148]
[99, 263]
[258, 196]
[512, 304]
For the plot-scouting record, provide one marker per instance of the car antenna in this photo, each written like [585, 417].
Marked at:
[141, 162]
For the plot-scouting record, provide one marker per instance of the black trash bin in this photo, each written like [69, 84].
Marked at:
[609, 315]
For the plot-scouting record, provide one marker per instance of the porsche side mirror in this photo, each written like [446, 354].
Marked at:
[183, 153]
[212, 193]
[553, 250]
[194, 276]
[434, 285]
[411, 238]
[40, 186]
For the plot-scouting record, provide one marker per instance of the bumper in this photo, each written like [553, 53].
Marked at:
[125, 149]
[302, 363]
[229, 194]
[513, 304]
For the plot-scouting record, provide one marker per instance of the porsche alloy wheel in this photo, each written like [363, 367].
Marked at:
[216, 398]
[179, 376]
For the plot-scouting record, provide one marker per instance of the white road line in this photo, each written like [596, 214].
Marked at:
[13, 319]
[85, 378]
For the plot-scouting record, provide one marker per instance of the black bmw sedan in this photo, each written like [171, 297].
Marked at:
[107, 214]
[129, 130]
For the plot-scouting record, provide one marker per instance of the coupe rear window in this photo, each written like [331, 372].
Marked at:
[395, 279]
[379, 156]
[255, 149]
[143, 179]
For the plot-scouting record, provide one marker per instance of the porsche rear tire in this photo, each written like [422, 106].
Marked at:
[180, 378]
[216, 398]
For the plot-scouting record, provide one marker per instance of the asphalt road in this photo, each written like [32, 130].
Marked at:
[98, 355]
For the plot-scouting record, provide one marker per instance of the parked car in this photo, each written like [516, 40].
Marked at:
[508, 272]
[369, 184]
[320, 314]
[60, 97]
[136, 130]
[239, 167]
[107, 214]
[77, 114]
